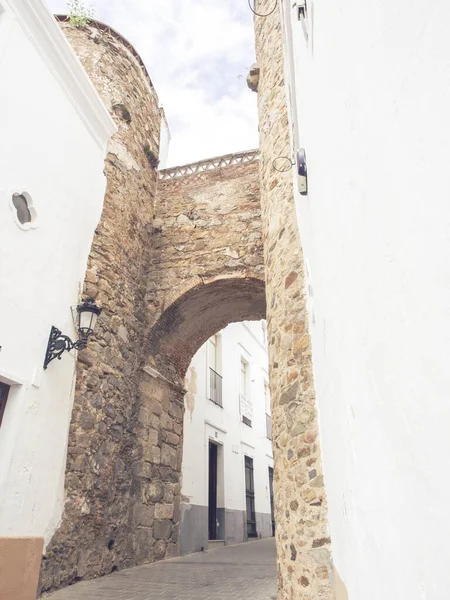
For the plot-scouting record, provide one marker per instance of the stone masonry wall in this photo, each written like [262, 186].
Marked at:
[303, 544]
[98, 532]
[207, 261]
[168, 274]
[202, 273]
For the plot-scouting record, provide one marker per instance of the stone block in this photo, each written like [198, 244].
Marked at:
[153, 437]
[176, 509]
[172, 438]
[155, 455]
[162, 529]
[170, 491]
[147, 387]
[159, 549]
[143, 515]
[142, 469]
[143, 545]
[167, 422]
[153, 492]
[151, 406]
[169, 456]
[86, 421]
[164, 511]
[155, 422]
[176, 411]
[175, 533]
[172, 550]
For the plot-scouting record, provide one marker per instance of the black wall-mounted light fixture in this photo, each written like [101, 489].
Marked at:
[58, 343]
[302, 172]
[302, 15]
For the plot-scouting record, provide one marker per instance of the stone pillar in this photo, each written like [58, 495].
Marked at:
[303, 543]
[98, 533]
[157, 468]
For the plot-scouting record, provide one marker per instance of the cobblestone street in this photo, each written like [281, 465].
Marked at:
[242, 572]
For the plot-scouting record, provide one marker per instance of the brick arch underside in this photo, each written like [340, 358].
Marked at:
[197, 315]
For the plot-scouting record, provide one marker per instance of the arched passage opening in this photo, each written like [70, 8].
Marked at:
[180, 331]
[227, 467]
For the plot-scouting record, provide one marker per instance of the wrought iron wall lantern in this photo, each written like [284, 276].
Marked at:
[58, 343]
[302, 15]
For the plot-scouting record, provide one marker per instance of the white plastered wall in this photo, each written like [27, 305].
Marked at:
[373, 97]
[54, 132]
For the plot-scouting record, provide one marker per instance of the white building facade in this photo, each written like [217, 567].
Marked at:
[369, 89]
[227, 469]
[54, 134]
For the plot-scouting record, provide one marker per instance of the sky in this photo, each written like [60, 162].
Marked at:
[197, 53]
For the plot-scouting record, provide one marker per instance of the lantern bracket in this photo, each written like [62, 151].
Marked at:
[58, 343]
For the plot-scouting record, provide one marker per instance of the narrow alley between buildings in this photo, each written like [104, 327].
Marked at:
[242, 572]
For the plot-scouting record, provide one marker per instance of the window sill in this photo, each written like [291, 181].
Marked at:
[216, 403]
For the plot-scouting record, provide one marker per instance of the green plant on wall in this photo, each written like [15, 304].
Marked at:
[79, 14]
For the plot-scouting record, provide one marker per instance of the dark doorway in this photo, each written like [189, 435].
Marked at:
[250, 497]
[272, 508]
[4, 390]
[212, 492]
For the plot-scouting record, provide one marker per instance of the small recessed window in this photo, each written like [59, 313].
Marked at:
[4, 390]
[22, 209]
[22, 206]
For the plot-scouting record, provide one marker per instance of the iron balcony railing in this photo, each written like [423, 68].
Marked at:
[215, 387]
[269, 426]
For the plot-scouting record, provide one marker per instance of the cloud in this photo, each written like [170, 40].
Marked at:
[197, 53]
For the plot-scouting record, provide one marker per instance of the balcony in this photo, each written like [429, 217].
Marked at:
[215, 387]
[269, 426]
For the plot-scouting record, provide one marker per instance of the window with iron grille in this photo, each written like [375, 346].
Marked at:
[250, 497]
[4, 390]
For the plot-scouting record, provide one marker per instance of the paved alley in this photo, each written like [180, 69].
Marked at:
[242, 572]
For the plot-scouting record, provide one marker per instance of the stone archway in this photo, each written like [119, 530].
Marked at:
[178, 334]
[176, 256]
